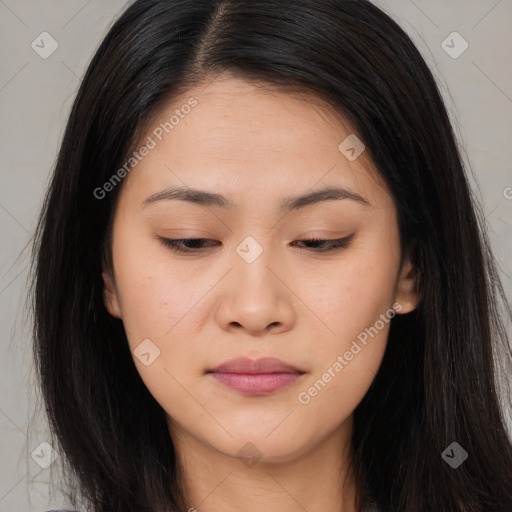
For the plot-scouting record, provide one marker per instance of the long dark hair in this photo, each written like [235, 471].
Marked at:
[439, 381]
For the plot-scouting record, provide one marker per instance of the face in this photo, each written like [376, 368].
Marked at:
[253, 286]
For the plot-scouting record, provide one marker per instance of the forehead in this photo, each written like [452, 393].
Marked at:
[249, 139]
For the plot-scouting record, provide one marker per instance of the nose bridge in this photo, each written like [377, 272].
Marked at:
[255, 297]
[254, 257]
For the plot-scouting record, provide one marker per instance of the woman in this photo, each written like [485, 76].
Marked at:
[260, 278]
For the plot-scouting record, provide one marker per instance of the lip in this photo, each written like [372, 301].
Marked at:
[256, 376]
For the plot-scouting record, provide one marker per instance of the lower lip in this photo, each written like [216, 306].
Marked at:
[257, 383]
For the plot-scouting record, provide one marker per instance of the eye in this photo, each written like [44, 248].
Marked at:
[182, 245]
[194, 245]
[319, 245]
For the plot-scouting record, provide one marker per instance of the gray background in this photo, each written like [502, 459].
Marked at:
[36, 95]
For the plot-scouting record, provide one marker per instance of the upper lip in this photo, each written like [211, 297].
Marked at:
[261, 365]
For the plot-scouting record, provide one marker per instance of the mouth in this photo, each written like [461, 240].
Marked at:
[256, 376]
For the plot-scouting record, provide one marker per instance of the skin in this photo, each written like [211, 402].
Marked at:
[255, 146]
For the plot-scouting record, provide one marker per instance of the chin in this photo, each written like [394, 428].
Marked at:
[252, 447]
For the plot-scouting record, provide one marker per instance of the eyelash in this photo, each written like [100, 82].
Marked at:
[176, 245]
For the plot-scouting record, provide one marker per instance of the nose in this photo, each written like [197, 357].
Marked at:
[256, 298]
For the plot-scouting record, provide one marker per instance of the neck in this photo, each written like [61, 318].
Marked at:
[314, 480]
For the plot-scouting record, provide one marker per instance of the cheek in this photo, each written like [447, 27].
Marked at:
[349, 360]
[351, 296]
[354, 300]
[164, 302]
[151, 304]
[158, 305]
[155, 294]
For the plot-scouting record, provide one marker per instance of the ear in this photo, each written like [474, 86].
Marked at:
[110, 297]
[406, 293]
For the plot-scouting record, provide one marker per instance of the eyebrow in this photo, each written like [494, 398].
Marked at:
[287, 204]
